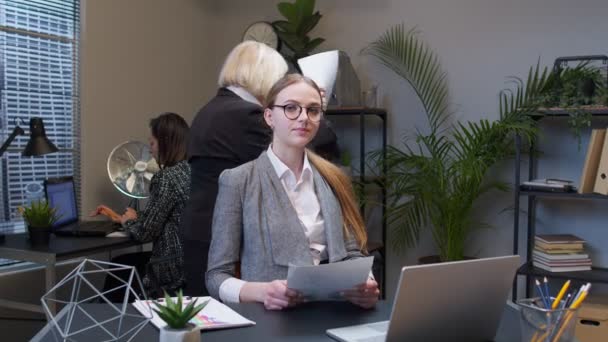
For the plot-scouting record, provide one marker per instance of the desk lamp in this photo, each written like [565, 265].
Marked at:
[38, 144]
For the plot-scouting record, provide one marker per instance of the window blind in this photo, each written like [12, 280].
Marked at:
[38, 78]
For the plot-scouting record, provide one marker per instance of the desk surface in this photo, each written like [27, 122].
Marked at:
[17, 246]
[305, 323]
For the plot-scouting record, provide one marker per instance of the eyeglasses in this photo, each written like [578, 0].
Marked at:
[293, 111]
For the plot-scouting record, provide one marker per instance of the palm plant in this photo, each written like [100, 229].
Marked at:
[435, 179]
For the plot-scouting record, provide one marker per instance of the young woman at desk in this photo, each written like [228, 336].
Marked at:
[287, 206]
[159, 221]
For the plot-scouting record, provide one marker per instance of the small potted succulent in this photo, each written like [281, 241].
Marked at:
[177, 316]
[39, 217]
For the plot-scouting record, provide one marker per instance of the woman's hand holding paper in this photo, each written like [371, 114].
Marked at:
[364, 295]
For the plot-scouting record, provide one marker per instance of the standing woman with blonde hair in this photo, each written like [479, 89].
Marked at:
[288, 206]
[227, 132]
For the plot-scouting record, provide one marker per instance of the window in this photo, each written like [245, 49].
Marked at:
[38, 78]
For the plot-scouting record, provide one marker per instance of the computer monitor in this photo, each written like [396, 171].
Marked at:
[61, 195]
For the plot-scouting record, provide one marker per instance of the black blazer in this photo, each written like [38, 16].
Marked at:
[226, 133]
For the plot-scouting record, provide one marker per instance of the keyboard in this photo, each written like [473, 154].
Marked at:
[88, 229]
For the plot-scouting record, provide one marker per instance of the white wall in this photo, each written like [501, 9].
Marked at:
[480, 43]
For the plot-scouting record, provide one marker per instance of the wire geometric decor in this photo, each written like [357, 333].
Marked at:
[76, 310]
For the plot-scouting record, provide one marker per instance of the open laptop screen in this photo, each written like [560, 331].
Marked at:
[60, 195]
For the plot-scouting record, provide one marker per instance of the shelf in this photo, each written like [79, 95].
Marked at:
[569, 195]
[347, 111]
[596, 275]
[560, 112]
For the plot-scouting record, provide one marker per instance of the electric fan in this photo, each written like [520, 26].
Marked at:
[131, 167]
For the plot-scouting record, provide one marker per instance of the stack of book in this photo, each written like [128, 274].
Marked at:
[560, 253]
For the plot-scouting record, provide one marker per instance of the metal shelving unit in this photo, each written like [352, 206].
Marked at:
[597, 275]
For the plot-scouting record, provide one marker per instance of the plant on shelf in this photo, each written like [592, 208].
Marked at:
[39, 217]
[575, 90]
[300, 20]
[435, 179]
[177, 316]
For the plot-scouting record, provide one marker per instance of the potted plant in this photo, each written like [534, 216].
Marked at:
[435, 179]
[177, 316]
[39, 217]
[576, 90]
[300, 20]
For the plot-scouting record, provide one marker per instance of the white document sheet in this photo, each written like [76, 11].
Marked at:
[321, 68]
[325, 282]
[214, 315]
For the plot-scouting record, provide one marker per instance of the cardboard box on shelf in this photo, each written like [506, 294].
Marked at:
[592, 323]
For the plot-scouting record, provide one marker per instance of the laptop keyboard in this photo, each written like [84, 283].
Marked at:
[380, 338]
[380, 326]
[98, 225]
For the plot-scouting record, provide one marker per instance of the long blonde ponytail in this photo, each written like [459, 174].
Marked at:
[343, 189]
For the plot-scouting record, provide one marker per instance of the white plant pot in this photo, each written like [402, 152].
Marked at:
[188, 334]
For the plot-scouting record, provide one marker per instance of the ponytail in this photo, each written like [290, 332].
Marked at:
[343, 189]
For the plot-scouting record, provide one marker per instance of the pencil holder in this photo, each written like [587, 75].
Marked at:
[546, 325]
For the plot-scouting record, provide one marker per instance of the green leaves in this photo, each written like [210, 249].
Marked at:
[434, 179]
[294, 31]
[39, 214]
[174, 313]
[289, 11]
[401, 50]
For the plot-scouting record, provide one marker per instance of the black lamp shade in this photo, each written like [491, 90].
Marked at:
[38, 144]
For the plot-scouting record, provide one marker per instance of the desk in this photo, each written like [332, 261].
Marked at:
[17, 247]
[305, 323]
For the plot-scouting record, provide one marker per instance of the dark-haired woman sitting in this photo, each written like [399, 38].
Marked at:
[162, 268]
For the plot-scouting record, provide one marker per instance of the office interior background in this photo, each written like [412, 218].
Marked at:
[138, 58]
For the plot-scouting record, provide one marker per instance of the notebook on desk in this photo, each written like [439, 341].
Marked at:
[452, 301]
[61, 195]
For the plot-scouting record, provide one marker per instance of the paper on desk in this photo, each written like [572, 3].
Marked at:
[214, 315]
[321, 68]
[325, 282]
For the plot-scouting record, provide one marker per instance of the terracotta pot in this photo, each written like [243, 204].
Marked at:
[434, 259]
[189, 334]
[39, 236]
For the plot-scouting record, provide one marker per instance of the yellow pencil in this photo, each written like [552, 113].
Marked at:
[574, 305]
[580, 299]
[561, 294]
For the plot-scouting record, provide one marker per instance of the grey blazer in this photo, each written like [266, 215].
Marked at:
[255, 224]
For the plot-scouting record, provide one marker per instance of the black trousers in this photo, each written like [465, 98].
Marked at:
[196, 254]
[139, 261]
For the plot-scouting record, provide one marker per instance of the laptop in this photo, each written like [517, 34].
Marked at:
[452, 301]
[61, 195]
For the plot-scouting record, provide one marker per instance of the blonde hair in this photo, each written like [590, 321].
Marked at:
[254, 66]
[339, 182]
[342, 186]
